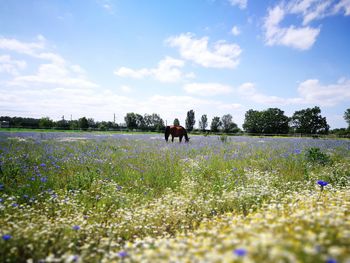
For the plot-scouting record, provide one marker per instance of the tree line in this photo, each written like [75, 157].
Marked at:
[269, 121]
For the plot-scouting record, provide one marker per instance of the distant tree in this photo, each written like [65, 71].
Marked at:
[73, 124]
[252, 122]
[45, 122]
[215, 124]
[310, 121]
[157, 122]
[176, 122]
[91, 123]
[274, 121]
[190, 120]
[131, 120]
[62, 124]
[203, 122]
[270, 121]
[228, 125]
[347, 117]
[140, 123]
[83, 123]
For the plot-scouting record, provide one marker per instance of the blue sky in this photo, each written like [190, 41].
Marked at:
[99, 57]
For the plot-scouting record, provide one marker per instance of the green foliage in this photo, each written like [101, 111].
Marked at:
[176, 122]
[314, 155]
[270, 121]
[190, 120]
[228, 125]
[215, 124]
[347, 117]
[45, 122]
[69, 198]
[83, 123]
[223, 138]
[203, 122]
[310, 121]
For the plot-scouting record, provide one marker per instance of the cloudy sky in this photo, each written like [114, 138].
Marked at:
[95, 58]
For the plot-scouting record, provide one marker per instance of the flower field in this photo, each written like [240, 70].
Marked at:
[99, 197]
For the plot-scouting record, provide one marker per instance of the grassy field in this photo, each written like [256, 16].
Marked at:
[94, 197]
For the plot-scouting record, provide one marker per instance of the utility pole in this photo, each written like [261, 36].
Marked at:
[114, 119]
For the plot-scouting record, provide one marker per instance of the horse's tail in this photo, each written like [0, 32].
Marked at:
[167, 132]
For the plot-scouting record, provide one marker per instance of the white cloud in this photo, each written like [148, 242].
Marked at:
[222, 55]
[27, 48]
[53, 74]
[242, 4]
[343, 5]
[235, 31]
[249, 91]
[300, 37]
[311, 92]
[125, 89]
[11, 66]
[207, 89]
[131, 73]
[168, 70]
[106, 5]
[57, 72]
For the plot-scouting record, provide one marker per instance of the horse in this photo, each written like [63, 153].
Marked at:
[175, 131]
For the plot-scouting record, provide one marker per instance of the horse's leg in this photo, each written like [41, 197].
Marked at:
[172, 138]
[180, 138]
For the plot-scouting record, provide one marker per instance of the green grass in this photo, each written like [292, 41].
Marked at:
[96, 197]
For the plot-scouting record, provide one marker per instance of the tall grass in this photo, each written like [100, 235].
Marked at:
[93, 198]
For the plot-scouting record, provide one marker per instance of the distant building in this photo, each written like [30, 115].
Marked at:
[4, 124]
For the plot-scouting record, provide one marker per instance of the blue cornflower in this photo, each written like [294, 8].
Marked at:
[43, 165]
[76, 228]
[1, 187]
[6, 237]
[123, 254]
[322, 183]
[240, 252]
[43, 179]
[1, 200]
[331, 260]
[14, 205]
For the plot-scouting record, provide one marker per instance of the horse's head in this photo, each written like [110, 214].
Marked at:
[167, 132]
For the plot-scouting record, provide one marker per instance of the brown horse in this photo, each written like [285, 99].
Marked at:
[175, 131]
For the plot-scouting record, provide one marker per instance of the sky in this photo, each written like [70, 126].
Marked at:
[97, 58]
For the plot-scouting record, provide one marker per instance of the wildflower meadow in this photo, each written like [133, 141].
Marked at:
[108, 197]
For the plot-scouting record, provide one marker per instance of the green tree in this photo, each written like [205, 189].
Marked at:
[131, 120]
[83, 123]
[347, 117]
[157, 122]
[274, 121]
[62, 124]
[45, 122]
[215, 124]
[227, 124]
[140, 123]
[203, 122]
[309, 121]
[176, 122]
[270, 121]
[91, 123]
[73, 124]
[252, 122]
[190, 120]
